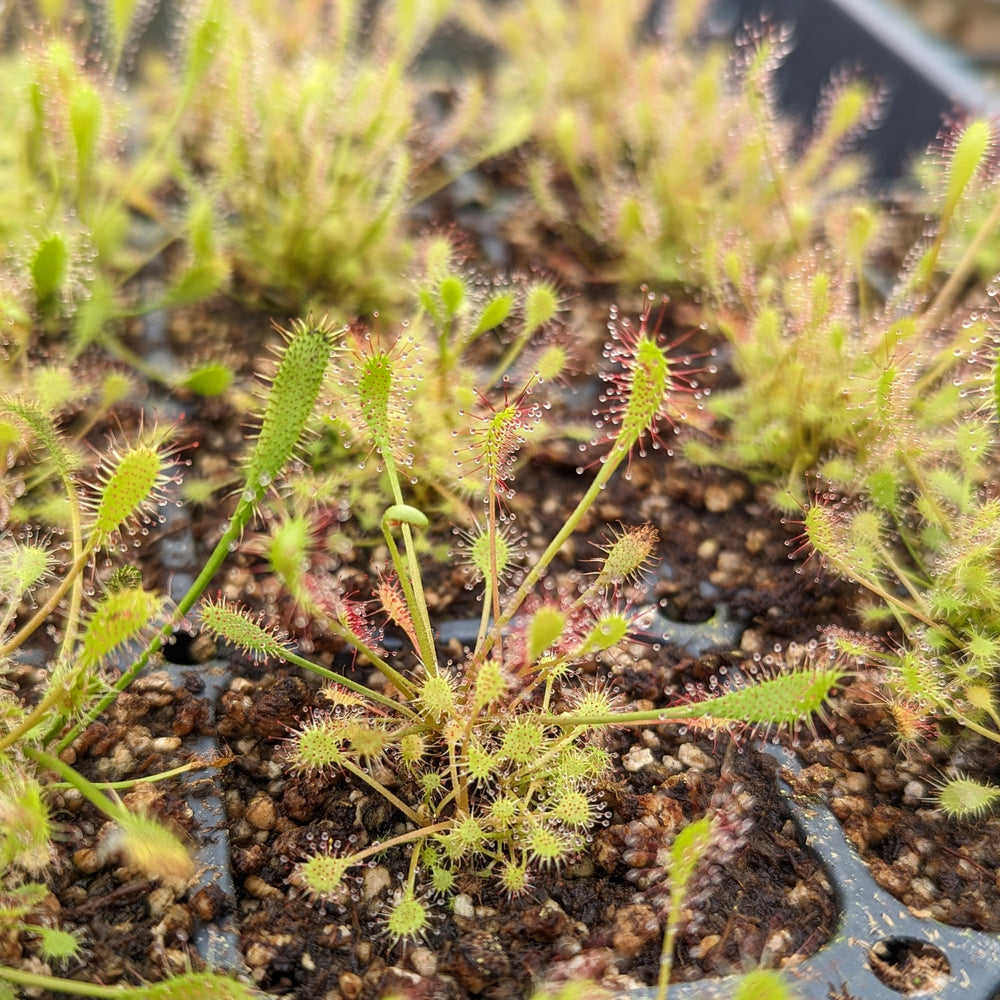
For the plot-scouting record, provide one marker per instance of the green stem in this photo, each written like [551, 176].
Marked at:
[667, 948]
[36, 980]
[494, 571]
[302, 597]
[674, 713]
[619, 452]
[87, 789]
[891, 599]
[409, 575]
[32, 719]
[976, 727]
[424, 641]
[778, 172]
[963, 342]
[900, 574]
[390, 674]
[944, 522]
[194, 765]
[362, 775]
[237, 525]
[461, 788]
[510, 355]
[404, 838]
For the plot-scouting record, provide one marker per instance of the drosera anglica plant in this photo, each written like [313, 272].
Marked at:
[121, 631]
[620, 162]
[502, 745]
[892, 464]
[470, 331]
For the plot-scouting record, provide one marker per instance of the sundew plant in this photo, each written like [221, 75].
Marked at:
[84, 176]
[472, 331]
[80, 585]
[502, 747]
[872, 406]
[621, 164]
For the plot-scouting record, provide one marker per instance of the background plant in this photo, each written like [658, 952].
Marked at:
[624, 168]
[85, 206]
[315, 135]
[873, 412]
[929, 563]
[874, 391]
[288, 157]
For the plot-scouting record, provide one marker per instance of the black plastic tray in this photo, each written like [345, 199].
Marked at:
[924, 78]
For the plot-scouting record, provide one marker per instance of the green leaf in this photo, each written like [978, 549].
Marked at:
[968, 156]
[686, 852]
[118, 617]
[541, 305]
[546, 626]
[189, 986]
[201, 229]
[494, 313]
[130, 487]
[198, 282]
[966, 798]
[49, 267]
[56, 945]
[452, 293]
[212, 379]
[85, 114]
[288, 552]
[205, 41]
[120, 15]
[235, 625]
[22, 565]
[763, 984]
[290, 403]
[783, 700]
[403, 513]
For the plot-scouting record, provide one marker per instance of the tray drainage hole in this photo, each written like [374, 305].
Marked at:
[188, 648]
[909, 966]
